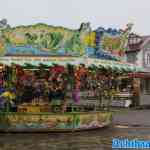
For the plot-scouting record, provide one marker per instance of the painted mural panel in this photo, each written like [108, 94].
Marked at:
[81, 121]
[112, 40]
[44, 40]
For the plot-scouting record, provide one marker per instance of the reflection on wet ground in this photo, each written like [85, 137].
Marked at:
[87, 140]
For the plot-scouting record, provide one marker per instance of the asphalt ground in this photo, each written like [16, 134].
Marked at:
[130, 117]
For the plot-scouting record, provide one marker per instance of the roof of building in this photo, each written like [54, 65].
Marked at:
[136, 42]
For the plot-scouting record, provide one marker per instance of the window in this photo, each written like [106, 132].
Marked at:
[147, 58]
[132, 57]
[147, 86]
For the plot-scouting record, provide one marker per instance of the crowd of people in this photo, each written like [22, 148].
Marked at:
[46, 85]
[30, 87]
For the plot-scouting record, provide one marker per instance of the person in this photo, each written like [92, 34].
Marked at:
[45, 89]
[62, 95]
[50, 92]
[1, 78]
[135, 95]
[2, 101]
[14, 100]
[76, 95]
[56, 92]
[2, 104]
[37, 93]
[27, 94]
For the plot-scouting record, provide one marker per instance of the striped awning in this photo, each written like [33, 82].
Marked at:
[36, 61]
[115, 65]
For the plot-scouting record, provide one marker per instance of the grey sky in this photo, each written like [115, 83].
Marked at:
[70, 13]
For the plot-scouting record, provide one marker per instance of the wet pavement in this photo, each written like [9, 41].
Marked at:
[87, 140]
[132, 118]
[91, 140]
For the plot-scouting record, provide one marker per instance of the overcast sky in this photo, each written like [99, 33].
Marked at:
[70, 13]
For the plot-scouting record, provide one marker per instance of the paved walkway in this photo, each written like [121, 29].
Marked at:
[132, 118]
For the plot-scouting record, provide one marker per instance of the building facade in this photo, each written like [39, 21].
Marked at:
[138, 52]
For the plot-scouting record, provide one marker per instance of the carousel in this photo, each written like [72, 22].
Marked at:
[50, 83]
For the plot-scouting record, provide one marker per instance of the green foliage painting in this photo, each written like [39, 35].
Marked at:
[42, 39]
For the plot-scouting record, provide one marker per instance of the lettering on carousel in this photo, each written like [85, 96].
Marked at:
[35, 59]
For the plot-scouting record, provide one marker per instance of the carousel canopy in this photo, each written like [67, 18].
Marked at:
[63, 61]
[41, 44]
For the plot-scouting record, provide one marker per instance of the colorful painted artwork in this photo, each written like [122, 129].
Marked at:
[54, 122]
[112, 40]
[43, 40]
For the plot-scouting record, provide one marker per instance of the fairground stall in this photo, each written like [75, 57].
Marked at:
[57, 79]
